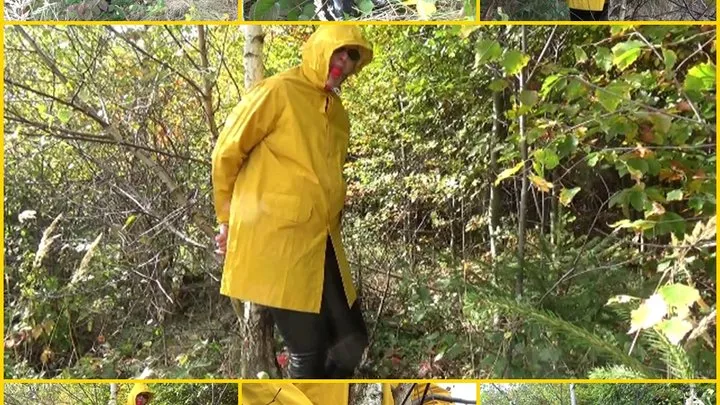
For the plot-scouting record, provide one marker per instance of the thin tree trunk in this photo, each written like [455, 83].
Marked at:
[572, 395]
[257, 351]
[365, 394]
[207, 84]
[499, 134]
[623, 10]
[520, 275]
[113, 394]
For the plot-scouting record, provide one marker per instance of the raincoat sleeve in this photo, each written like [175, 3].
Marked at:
[249, 122]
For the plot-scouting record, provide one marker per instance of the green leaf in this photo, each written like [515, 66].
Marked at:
[514, 61]
[672, 222]
[575, 89]
[580, 55]
[638, 164]
[637, 199]
[547, 157]
[568, 145]
[612, 95]
[497, 84]
[548, 84]
[129, 221]
[675, 195]
[566, 195]
[655, 194]
[509, 172]
[637, 225]
[675, 329]
[593, 159]
[308, 12]
[670, 57]
[64, 116]
[616, 30]
[625, 53]
[487, 51]
[262, 9]
[679, 295]
[529, 97]
[661, 122]
[365, 6]
[700, 77]
[604, 59]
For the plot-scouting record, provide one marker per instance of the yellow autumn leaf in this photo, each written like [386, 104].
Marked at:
[648, 314]
[46, 356]
[540, 183]
[37, 330]
[426, 8]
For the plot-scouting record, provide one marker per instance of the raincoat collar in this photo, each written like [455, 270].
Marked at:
[323, 42]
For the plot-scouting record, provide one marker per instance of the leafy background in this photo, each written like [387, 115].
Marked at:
[623, 10]
[621, 394]
[102, 394]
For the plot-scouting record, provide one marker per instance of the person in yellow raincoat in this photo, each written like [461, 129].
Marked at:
[295, 394]
[139, 395]
[588, 10]
[279, 191]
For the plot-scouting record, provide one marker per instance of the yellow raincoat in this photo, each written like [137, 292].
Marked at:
[136, 390]
[296, 394]
[592, 5]
[277, 179]
[417, 394]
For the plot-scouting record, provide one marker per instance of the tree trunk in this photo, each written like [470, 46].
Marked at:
[401, 392]
[257, 351]
[572, 395]
[623, 10]
[207, 84]
[520, 275]
[499, 134]
[113, 394]
[365, 394]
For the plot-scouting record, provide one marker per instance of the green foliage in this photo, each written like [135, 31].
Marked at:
[621, 394]
[101, 394]
[305, 10]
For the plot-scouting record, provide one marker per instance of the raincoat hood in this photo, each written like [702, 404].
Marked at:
[318, 50]
[137, 390]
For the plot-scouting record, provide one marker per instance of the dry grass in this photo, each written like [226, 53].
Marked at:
[24, 10]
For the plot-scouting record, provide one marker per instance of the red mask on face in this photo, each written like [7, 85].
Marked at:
[335, 73]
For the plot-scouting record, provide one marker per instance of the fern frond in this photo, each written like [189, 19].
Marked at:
[552, 321]
[676, 359]
[616, 372]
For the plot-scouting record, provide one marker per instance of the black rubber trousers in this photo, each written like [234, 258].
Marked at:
[329, 344]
